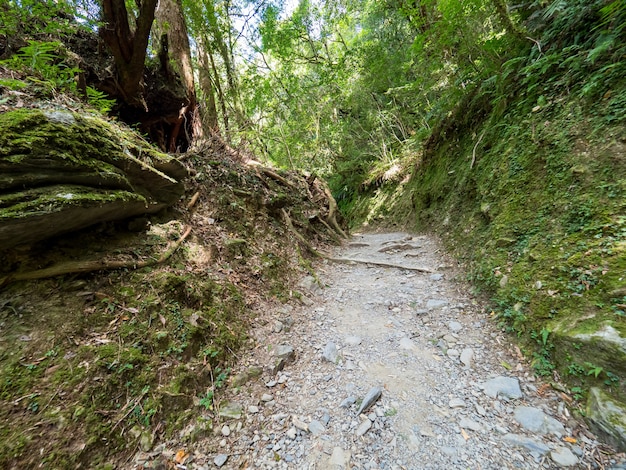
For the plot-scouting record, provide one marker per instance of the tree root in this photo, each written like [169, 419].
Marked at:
[76, 267]
[379, 263]
[299, 237]
[332, 211]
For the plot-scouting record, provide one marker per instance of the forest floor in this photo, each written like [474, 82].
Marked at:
[390, 364]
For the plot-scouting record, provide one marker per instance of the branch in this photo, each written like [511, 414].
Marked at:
[474, 151]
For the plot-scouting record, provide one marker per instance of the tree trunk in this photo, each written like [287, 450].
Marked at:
[209, 115]
[128, 45]
[175, 55]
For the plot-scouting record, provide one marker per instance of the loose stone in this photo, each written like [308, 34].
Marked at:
[372, 396]
[563, 457]
[220, 460]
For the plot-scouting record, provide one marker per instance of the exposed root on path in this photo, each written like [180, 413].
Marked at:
[380, 263]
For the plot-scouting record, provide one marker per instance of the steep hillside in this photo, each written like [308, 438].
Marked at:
[113, 336]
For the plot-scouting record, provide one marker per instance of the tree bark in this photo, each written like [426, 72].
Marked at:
[128, 45]
[176, 65]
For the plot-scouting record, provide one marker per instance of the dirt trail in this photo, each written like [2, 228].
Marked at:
[455, 392]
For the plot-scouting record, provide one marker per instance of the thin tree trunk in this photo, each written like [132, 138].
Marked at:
[209, 114]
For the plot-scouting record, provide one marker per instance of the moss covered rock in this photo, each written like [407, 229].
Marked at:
[62, 171]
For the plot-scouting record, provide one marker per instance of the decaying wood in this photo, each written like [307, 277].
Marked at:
[380, 263]
[76, 267]
[193, 200]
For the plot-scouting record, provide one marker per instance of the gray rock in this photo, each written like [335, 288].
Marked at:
[563, 457]
[278, 326]
[504, 387]
[330, 353]
[220, 460]
[467, 423]
[455, 326]
[363, 428]
[535, 420]
[432, 304]
[407, 344]
[456, 403]
[353, 340]
[452, 353]
[266, 397]
[347, 402]
[310, 284]
[436, 277]
[467, 355]
[607, 418]
[292, 433]
[527, 443]
[225, 430]
[231, 410]
[370, 398]
[301, 425]
[316, 428]
[284, 354]
[339, 460]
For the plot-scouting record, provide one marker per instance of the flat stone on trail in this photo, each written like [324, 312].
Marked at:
[301, 425]
[432, 304]
[363, 428]
[467, 423]
[466, 357]
[316, 428]
[331, 354]
[353, 340]
[563, 457]
[535, 420]
[284, 351]
[407, 344]
[231, 410]
[455, 326]
[436, 277]
[526, 442]
[504, 387]
[220, 460]
[457, 403]
[339, 460]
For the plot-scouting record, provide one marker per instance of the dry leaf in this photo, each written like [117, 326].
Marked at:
[163, 320]
[571, 440]
[181, 456]
[464, 434]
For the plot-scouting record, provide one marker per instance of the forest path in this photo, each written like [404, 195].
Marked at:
[454, 392]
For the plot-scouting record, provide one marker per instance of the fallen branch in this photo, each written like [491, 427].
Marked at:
[300, 238]
[380, 263]
[76, 267]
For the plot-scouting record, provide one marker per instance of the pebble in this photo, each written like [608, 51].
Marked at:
[363, 427]
[226, 430]
[266, 397]
[316, 428]
[455, 326]
[331, 354]
[220, 460]
[370, 398]
[467, 355]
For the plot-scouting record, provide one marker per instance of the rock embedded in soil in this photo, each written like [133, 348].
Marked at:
[563, 457]
[504, 387]
[370, 398]
[331, 353]
[220, 460]
[535, 420]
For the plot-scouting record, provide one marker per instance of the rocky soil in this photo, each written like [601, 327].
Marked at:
[388, 362]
